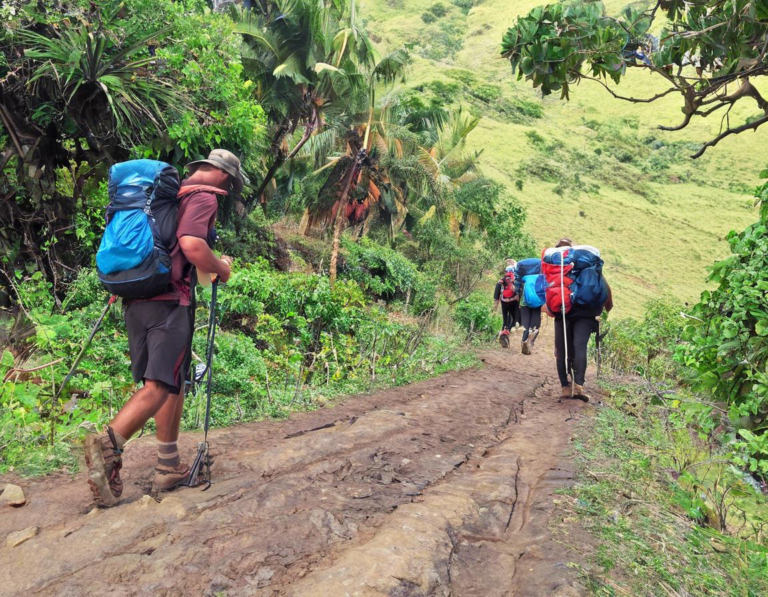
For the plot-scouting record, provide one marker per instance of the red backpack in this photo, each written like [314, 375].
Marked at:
[508, 292]
[556, 267]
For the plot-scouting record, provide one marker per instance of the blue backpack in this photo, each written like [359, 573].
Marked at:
[534, 291]
[526, 267]
[589, 287]
[133, 260]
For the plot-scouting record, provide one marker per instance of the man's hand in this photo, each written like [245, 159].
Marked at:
[226, 268]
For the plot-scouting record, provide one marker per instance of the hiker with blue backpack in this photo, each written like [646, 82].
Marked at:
[576, 296]
[531, 287]
[155, 243]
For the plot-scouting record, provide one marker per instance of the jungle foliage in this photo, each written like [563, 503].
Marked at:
[85, 85]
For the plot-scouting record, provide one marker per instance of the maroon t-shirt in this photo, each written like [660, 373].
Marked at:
[197, 217]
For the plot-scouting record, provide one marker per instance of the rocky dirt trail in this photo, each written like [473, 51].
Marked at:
[440, 488]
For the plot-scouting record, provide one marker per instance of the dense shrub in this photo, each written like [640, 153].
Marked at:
[486, 92]
[444, 41]
[645, 346]
[727, 339]
[474, 317]
[500, 216]
[528, 108]
[465, 5]
[438, 9]
[389, 275]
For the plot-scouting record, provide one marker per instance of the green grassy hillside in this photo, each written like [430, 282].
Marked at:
[596, 169]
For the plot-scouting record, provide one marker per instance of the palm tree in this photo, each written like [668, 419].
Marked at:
[403, 170]
[309, 60]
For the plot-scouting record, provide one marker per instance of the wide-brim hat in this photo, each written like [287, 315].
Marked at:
[226, 161]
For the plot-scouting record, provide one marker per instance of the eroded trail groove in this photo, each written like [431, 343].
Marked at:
[440, 488]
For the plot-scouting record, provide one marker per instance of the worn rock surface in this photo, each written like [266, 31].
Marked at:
[439, 488]
[19, 537]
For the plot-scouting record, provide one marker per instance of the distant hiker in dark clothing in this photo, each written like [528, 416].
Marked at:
[530, 319]
[580, 323]
[505, 295]
[160, 336]
[516, 303]
[531, 288]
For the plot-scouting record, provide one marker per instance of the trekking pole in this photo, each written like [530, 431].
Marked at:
[597, 347]
[200, 472]
[81, 354]
[565, 327]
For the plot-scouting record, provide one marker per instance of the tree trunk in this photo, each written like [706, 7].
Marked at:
[281, 158]
[339, 221]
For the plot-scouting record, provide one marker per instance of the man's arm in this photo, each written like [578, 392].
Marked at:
[199, 254]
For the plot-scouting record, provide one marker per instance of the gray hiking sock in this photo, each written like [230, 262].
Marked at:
[168, 454]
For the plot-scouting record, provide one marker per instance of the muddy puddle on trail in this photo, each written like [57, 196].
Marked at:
[440, 488]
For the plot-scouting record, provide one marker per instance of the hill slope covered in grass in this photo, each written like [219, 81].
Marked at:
[596, 169]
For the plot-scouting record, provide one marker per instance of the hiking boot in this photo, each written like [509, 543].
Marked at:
[565, 392]
[104, 460]
[532, 336]
[526, 347]
[170, 477]
[580, 394]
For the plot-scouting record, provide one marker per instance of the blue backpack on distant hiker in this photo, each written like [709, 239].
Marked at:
[589, 288]
[534, 290]
[134, 260]
[526, 267]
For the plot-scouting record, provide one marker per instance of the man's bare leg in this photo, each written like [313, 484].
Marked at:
[168, 418]
[140, 408]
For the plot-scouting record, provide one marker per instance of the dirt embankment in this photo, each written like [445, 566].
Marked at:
[441, 488]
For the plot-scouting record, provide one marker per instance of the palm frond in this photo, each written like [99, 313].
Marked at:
[453, 134]
[81, 68]
[392, 67]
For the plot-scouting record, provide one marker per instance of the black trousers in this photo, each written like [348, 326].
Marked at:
[578, 330]
[510, 312]
[529, 318]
